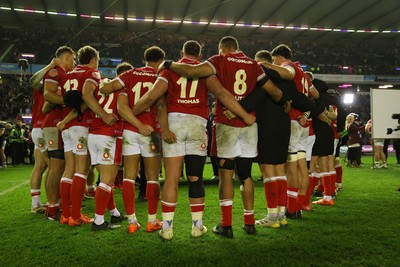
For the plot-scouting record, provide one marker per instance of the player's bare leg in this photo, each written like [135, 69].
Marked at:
[173, 170]
[36, 180]
[53, 187]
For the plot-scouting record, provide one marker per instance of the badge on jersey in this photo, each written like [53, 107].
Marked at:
[53, 72]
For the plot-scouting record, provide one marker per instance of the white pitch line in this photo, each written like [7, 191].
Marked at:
[14, 187]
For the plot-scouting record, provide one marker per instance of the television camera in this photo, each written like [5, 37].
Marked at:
[395, 116]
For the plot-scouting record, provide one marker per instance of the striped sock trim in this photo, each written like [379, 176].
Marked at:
[105, 187]
[128, 181]
[80, 175]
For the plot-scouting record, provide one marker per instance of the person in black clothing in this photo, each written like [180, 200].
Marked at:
[396, 146]
[17, 141]
[354, 129]
[3, 142]
[142, 182]
[273, 135]
[324, 142]
[211, 149]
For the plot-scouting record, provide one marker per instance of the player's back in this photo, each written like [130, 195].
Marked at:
[138, 82]
[109, 104]
[186, 95]
[75, 80]
[302, 81]
[237, 72]
[303, 84]
[239, 75]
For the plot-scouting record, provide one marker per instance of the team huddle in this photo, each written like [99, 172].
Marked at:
[264, 109]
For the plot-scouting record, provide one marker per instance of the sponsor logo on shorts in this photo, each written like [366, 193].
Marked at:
[152, 147]
[106, 154]
[203, 146]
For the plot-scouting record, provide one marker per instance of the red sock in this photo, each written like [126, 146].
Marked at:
[311, 185]
[153, 196]
[339, 174]
[226, 210]
[321, 186]
[282, 191]
[292, 199]
[111, 201]
[102, 198]
[34, 194]
[128, 195]
[196, 207]
[167, 207]
[271, 192]
[77, 192]
[248, 217]
[65, 194]
[333, 179]
[326, 181]
[52, 209]
[301, 201]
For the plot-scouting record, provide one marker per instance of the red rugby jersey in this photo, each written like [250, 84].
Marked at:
[37, 115]
[109, 104]
[55, 75]
[239, 75]
[185, 95]
[74, 80]
[137, 82]
[303, 84]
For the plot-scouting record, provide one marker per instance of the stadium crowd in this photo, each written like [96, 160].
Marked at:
[321, 57]
[80, 120]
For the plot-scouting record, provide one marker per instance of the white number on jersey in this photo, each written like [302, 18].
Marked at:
[110, 98]
[137, 90]
[71, 85]
[240, 86]
[193, 88]
[304, 82]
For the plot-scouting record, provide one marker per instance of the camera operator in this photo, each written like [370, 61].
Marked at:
[354, 129]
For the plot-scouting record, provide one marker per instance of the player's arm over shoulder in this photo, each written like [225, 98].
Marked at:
[204, 69]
